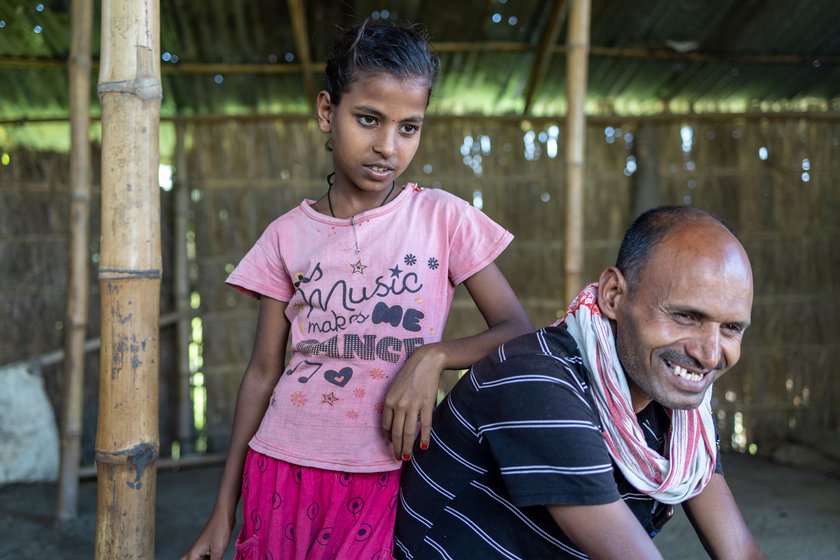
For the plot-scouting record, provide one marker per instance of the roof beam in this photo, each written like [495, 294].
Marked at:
[180, 68]
[666, 117]
[543, 58]
[449, 47]
[297, 11]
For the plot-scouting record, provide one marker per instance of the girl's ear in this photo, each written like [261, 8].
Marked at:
[324, 109]
[611, 288]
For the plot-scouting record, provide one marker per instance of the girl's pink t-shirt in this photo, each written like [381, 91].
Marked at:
[363, 294]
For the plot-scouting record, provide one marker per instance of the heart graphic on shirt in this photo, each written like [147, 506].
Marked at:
[338, 378]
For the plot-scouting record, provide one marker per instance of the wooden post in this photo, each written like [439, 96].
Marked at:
[182, 291]
[127, 438]
[75, 324]
[577, 63]
[647, 190]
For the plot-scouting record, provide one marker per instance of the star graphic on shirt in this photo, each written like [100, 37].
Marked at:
[395, 272]
[358, 267]
[329, 398]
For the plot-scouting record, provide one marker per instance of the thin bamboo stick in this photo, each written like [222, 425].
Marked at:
[170, 464]
[127, 441]
[180, 68]
[297, 13]
[810, 115]
[637, 53]
[78, 277]
[578, 48]
[543, 56]
[91, 344]
[647, 183]
[182, 292]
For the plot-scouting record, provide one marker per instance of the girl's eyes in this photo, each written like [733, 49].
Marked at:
[370, 121]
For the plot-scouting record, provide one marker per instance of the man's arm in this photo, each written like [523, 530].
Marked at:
[719, 523]
[605, 531]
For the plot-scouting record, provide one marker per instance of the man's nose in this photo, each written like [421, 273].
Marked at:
[706, 347]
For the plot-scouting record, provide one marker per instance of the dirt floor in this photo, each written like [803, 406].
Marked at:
[793, 513]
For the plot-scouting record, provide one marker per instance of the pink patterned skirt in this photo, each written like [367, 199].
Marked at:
[305, 513]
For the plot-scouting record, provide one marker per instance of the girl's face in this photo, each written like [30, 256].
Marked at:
[375, 131]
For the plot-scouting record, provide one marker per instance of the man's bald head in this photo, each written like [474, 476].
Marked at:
[654, 225]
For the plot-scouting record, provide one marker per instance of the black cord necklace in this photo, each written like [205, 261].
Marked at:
[331, 180]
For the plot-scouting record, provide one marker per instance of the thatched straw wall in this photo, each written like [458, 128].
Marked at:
[34, 238]
[250, 172]
[244, 173]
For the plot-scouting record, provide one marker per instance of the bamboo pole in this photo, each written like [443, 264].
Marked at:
[127, 440]
[647, 184]
[78, 278]
[184, 427]
[578, 40]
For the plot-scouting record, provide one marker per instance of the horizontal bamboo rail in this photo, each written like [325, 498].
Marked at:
[170, 464]
[600, 119]
[92, 344]
[637, 53]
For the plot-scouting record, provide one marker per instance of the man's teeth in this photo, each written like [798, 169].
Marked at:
[685, 374]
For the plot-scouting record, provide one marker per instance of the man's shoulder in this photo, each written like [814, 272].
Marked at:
[547, 351]
[548, 343]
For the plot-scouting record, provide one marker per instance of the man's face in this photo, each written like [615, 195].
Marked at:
[681, 327]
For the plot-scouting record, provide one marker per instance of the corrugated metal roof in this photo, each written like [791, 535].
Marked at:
[647, 55]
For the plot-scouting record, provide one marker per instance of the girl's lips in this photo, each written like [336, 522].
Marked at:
[378, 171]
[378, 168]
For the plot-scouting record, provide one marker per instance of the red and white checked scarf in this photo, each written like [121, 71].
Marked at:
[690, 461]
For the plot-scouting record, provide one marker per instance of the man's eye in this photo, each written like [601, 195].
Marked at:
[409, 129]
[366, 120]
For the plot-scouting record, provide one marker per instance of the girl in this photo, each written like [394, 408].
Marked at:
[361, 280]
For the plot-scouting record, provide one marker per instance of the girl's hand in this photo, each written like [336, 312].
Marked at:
[412, 395]
[212, 541]
[413, 392]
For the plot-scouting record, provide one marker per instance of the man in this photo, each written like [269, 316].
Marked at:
[576, 440]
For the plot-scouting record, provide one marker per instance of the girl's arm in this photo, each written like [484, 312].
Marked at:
[258, 382]
[413, 392]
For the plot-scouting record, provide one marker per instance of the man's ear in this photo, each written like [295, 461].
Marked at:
[612, 287]
[324, 110]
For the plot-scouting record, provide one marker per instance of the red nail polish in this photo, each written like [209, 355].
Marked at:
[424, 446]
[406, 457]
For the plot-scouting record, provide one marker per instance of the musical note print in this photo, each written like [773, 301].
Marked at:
[304, 378]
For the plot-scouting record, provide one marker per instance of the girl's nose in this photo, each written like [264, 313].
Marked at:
[386, 144]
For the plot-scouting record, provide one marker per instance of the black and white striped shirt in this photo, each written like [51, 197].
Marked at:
[519, 431]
